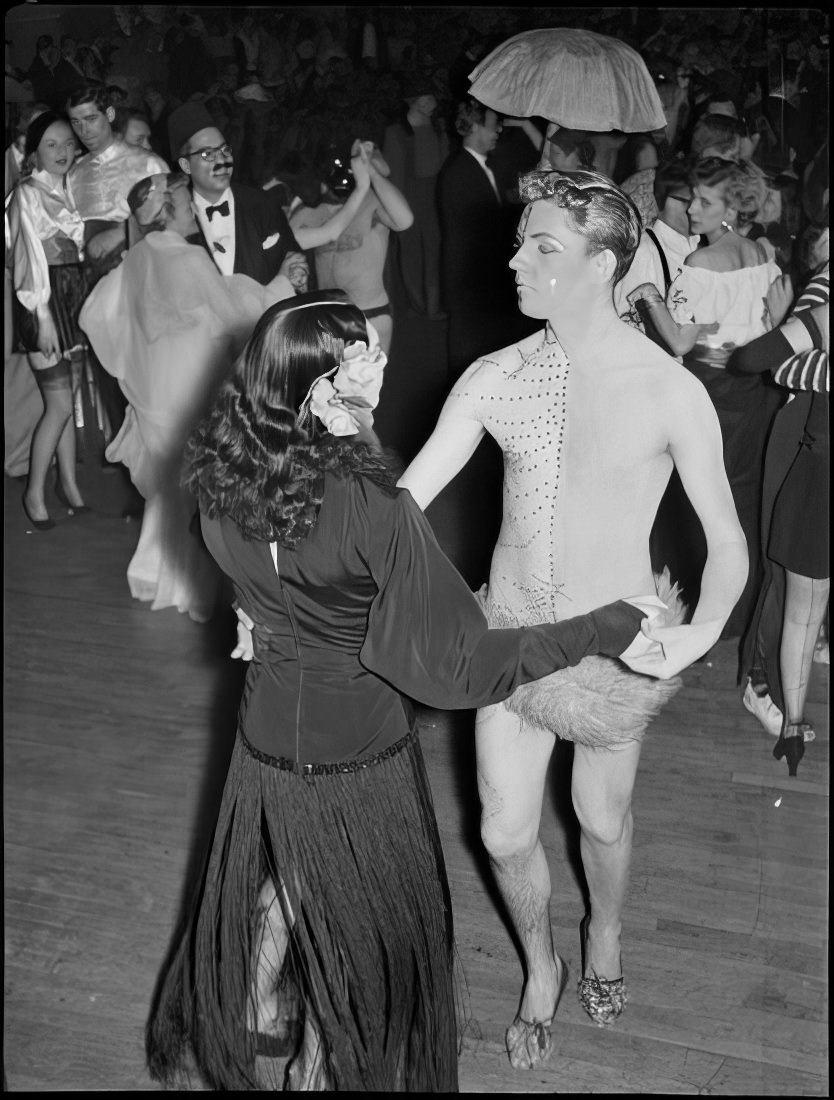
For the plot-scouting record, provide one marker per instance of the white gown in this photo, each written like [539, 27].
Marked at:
[169, 326]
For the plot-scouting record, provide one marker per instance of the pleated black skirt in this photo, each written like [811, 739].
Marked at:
[355, 853]
[68, 289]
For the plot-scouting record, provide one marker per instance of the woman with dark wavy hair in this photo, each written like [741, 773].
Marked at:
[322, 929]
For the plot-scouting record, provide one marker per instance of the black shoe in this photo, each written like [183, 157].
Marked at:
[40, 524]
[791, 745]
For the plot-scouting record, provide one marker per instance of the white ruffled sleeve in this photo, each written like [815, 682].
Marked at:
[30, 269]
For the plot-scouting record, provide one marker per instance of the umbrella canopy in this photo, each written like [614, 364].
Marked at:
[578, 79]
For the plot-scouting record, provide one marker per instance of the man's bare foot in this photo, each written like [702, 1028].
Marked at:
[529, 1039]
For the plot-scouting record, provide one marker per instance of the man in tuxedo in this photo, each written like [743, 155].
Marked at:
[244, 229]
[478, 229]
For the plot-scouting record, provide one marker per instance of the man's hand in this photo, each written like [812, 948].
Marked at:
[679, 647]
[779, 299]
[360, 166]
[104, 243]
[296, 270]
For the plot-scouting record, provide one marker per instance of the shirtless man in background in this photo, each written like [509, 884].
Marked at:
[354, 263]
[591, 417]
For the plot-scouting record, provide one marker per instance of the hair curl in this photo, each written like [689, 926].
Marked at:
[249, 459]
[743, 184]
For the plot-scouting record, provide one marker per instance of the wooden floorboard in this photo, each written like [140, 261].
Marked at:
[118, 724]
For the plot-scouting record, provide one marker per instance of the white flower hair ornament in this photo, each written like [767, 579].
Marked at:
[345, 404]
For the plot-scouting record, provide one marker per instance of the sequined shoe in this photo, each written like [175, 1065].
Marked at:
[603, 999]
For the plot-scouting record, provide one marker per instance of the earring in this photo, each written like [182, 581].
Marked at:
[727, 227]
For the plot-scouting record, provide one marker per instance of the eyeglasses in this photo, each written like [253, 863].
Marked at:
[210, 155]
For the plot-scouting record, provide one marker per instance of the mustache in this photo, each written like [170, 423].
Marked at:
[221, 167]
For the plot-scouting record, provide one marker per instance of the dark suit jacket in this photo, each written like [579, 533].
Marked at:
[477, 244]
[259, 217]
[474, 250]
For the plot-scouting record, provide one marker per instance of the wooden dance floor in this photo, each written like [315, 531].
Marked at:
[118, 725]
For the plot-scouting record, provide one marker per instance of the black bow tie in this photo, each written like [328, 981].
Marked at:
[222, 210]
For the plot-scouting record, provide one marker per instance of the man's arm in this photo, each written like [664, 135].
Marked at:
[449, 448]
[696, 448]
[393, 209]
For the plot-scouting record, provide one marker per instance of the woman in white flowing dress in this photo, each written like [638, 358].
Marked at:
[169, 326]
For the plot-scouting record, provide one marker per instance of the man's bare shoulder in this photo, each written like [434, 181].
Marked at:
[653, 367]
[497, 364]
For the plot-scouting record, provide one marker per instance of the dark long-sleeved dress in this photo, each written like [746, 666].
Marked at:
[327, 792]
[796, 493]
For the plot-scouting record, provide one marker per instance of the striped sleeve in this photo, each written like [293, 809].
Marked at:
[814, 294]
[806, 371]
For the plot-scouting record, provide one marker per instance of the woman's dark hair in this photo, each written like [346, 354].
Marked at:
[38, 127]
[250, 459]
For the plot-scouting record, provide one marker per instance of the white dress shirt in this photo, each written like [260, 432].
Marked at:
[220, 231]
[481, 159]
[646, 267]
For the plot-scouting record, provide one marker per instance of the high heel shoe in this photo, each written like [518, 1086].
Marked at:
[602, 998]
[77, 509]
[40, 524]
[791, 745]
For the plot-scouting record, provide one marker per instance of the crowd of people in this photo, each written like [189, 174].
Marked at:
[200, 269]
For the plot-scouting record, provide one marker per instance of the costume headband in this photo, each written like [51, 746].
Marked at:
[556, 184]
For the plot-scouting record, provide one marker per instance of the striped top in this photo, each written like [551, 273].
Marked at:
[807, 370]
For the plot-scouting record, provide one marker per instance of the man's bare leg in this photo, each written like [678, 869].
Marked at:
[512, 769]
[602, 787]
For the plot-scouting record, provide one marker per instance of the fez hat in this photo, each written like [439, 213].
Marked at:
[184, 122]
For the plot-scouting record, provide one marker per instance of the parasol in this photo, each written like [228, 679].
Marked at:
[579, 79]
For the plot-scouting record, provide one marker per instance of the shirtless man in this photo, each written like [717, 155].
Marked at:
[591, 417]
[354, 262]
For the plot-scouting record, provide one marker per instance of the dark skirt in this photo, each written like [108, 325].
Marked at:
[745, 409]
[798, 537]
[795, 529]
[371, 954]
[68, 290]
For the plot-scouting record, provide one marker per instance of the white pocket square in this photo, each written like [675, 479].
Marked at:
[270, 241]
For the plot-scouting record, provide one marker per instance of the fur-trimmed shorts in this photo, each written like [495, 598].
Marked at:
[599, 702]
